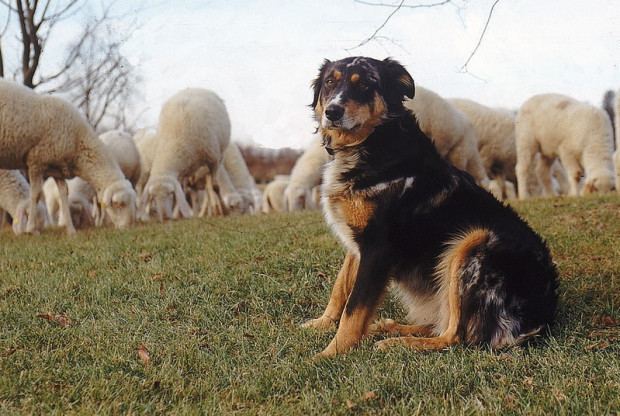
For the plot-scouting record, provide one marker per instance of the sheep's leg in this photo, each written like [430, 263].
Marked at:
[524, 162]
[205, 208]
[36, 187]
[214, 199]
[543, 173]
[574, 172]
[475, 167]
[65, 212]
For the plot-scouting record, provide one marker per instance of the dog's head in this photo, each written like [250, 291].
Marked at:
[354, 95]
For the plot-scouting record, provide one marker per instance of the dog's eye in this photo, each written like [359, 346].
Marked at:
[329, 82]
[363, 86]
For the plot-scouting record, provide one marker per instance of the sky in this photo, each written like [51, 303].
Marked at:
[260, 56]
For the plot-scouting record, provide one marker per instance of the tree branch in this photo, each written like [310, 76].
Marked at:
[404, 6]
[371, 37]
[484, 30]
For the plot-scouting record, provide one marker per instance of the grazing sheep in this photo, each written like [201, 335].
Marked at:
[495, 129]
[240, 176]
[82, 203]
[49, 137]
[193, 131]
[273, 195]
[306, 174]
[555, 125]
[15, 200]
[125, 152]
[451, 132]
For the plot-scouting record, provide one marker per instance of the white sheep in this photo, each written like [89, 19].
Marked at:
[193, 130]
[49, 137]
[273, 195]
[451, 132]
[555, 125]
[241, 179]
[617, 152]
[15, 200]
[124, 150]
[306, 174]
[495, 129]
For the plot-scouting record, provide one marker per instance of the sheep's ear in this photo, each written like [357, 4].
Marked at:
[397, 83]
[318, 81]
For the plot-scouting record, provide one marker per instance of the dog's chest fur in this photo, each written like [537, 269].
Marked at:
[347, 210]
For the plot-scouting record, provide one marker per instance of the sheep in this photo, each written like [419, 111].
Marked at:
[193, 130]
[15, 200]
[451, 132]
[82, 203]
[49, 137]
[273, 195]
[241, 179]
[495, 129]
[306, 174]
[555, 125]
[124, 150]
[617, 152]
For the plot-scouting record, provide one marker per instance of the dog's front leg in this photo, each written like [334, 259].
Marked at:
[340, 293]
[368, 290]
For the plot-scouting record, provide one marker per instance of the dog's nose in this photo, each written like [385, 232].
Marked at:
[334, 112]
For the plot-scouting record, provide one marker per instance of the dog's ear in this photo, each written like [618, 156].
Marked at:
[316, 84]
[397, 82]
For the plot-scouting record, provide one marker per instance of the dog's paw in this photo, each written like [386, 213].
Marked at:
[381, 326]
[386, 344]
[324, 323]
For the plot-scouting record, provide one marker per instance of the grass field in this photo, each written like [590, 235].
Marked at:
[202, 316]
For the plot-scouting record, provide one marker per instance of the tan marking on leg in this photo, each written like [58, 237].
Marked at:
[340, 293]
[351, 330]
[449, 269]
[391, 327]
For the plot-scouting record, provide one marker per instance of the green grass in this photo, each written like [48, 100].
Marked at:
[217, 303]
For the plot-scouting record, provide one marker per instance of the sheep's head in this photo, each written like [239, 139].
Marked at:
[119, 202]
[163, 192]
[23, 212]
[234, 203]
[601, 183]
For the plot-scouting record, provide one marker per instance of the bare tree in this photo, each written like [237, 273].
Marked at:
[403, 5]
[94, 74]
[102, 83]
[37, 20]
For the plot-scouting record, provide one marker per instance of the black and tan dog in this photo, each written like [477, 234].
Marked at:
[468, 269]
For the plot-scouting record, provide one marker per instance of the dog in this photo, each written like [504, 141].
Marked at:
[468, 269]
